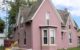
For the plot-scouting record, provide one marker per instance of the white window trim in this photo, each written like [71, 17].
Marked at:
[22, 19]
[70, 43]
[47, 18]
[43, 37]
[48, 35]
[54, 37]
[70, 38]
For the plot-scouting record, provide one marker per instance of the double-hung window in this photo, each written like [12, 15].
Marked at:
[48, 36]
[45, 36]
[70, 39]
[52, 36]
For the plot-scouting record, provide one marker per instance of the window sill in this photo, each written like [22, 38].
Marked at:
[49, 45]
[24, 44]
[45, 45]
[70, 43]
[53, 45]
[29, 49]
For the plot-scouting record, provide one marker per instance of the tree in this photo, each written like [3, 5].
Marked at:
[2, 25]
[13, 13]
[78, 30]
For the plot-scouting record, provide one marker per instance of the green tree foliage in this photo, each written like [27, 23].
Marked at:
[79, 30]
[14, 10]
[2, 25]
[13, 13]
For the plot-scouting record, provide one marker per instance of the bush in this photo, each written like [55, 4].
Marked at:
[2, 25]
[1, 48]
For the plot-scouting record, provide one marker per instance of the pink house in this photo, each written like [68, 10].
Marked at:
[42, 27]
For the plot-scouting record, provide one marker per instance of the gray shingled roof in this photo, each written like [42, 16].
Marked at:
[28, 11]
[64, 15]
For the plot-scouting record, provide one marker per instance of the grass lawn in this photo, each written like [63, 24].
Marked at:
[1, 48]
[78, 48]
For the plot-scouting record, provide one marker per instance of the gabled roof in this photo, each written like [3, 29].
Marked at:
[64, 15]
[76, 25]
[28, 11]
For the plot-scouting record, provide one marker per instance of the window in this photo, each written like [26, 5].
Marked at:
[22, 19]
[45, 36]
[70, 39]
[62, 34]
[52, 36]
[24, 37]
[47, 18]
[48, 36]
[24, 40]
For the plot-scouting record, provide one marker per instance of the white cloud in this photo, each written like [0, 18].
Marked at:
[72, 5]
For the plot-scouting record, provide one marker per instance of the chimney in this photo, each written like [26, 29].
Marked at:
[66, 9]
[66, 12]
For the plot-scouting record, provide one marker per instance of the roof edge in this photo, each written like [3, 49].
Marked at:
[38, 9]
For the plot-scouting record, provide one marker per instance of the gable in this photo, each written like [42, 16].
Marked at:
[52, 6]
[29, 13]
[64, 15]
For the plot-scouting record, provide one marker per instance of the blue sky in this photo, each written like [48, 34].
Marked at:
[3, 12]
[72, 6]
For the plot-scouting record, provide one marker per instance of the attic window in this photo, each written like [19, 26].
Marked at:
[47, 18]
[22, 20]
[70, 38]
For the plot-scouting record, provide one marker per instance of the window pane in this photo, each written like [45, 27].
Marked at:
[45, 36]
[52, 40]
[47, 18]
[70, 39]
[24, 40]
[52, 33]
[47, 21]
[62, 34]
[45, 40]
[45, 33]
